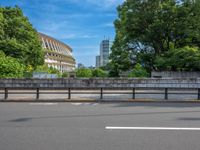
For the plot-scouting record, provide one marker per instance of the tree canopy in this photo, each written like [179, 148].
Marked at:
[10, 67]
[138, 71]
[18, 38]
[181, 59]
[84, 72]
[148, 29]
[98, 73]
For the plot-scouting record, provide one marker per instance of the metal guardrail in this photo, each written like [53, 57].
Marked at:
[102, 92]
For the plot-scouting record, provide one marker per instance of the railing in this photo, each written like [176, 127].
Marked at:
[101, 92]
[101, 86]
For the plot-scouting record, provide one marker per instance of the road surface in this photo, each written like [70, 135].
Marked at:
[93, 126]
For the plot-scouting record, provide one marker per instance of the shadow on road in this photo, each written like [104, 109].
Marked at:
[21, 120]
[102, 115]
[189, 119]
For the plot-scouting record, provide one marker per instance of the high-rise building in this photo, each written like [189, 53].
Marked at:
[80, 65]
[105, 49]
[104, 52]
[98, 61]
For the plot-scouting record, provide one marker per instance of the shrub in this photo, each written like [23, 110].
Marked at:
[49, 70]
[180, 59]
[84, 72]
[65, 74]
[138, 71]
[10, 67]
[98, 73]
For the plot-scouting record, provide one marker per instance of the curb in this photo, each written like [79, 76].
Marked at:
[98, 101]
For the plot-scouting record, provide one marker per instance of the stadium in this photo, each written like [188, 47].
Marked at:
[57, 54]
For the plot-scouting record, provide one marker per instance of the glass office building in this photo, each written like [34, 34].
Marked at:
[105, 47]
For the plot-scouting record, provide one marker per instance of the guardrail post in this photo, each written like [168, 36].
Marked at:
[166, 93]
[6, 94]
[37, 93]
[69, 93]
[198, 94]
[101, 96]
[133, 96]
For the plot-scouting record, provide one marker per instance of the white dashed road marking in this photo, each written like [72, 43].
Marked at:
[77, 104]
[152, 128]
[43, 104]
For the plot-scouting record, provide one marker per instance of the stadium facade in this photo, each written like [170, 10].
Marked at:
[57, 54]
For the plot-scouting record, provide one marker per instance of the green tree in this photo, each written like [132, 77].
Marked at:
[65, 74]
[150, 28]
[42, 68]
[50, 70]
[138, 71]
[120, 59]
[181, 59]
[84, 72]
[10, 67]
[98, 73]
[18, 38]
[53, 70]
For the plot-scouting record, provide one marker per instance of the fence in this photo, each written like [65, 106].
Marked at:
[101, 86]
[173, 74]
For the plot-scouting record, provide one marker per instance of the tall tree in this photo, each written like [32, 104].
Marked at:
[10, 67]
[146, 29]
[18, 38]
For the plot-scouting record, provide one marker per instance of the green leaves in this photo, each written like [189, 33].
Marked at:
[138, 71]
[151, 29]
[10, 67]
[88, 73]
[98, 73]
[181, 59]
[19, 39]
[84, 72]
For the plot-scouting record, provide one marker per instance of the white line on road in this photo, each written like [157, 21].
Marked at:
[44, 104]
[152, 128]
[77, 104]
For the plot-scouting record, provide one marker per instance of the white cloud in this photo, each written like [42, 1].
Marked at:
[74, 35]
[89, 53]
[87, 47]
[105, 3]
[66, 35]
[87, 36]
[108, 24]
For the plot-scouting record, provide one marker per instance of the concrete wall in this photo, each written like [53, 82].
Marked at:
[173, 74]
[63, 83]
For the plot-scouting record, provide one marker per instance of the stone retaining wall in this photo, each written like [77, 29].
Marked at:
[62, 83]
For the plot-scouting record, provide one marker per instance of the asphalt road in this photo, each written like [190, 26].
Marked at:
[82, 126]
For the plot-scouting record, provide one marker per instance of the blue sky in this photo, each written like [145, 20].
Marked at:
[81, 24]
